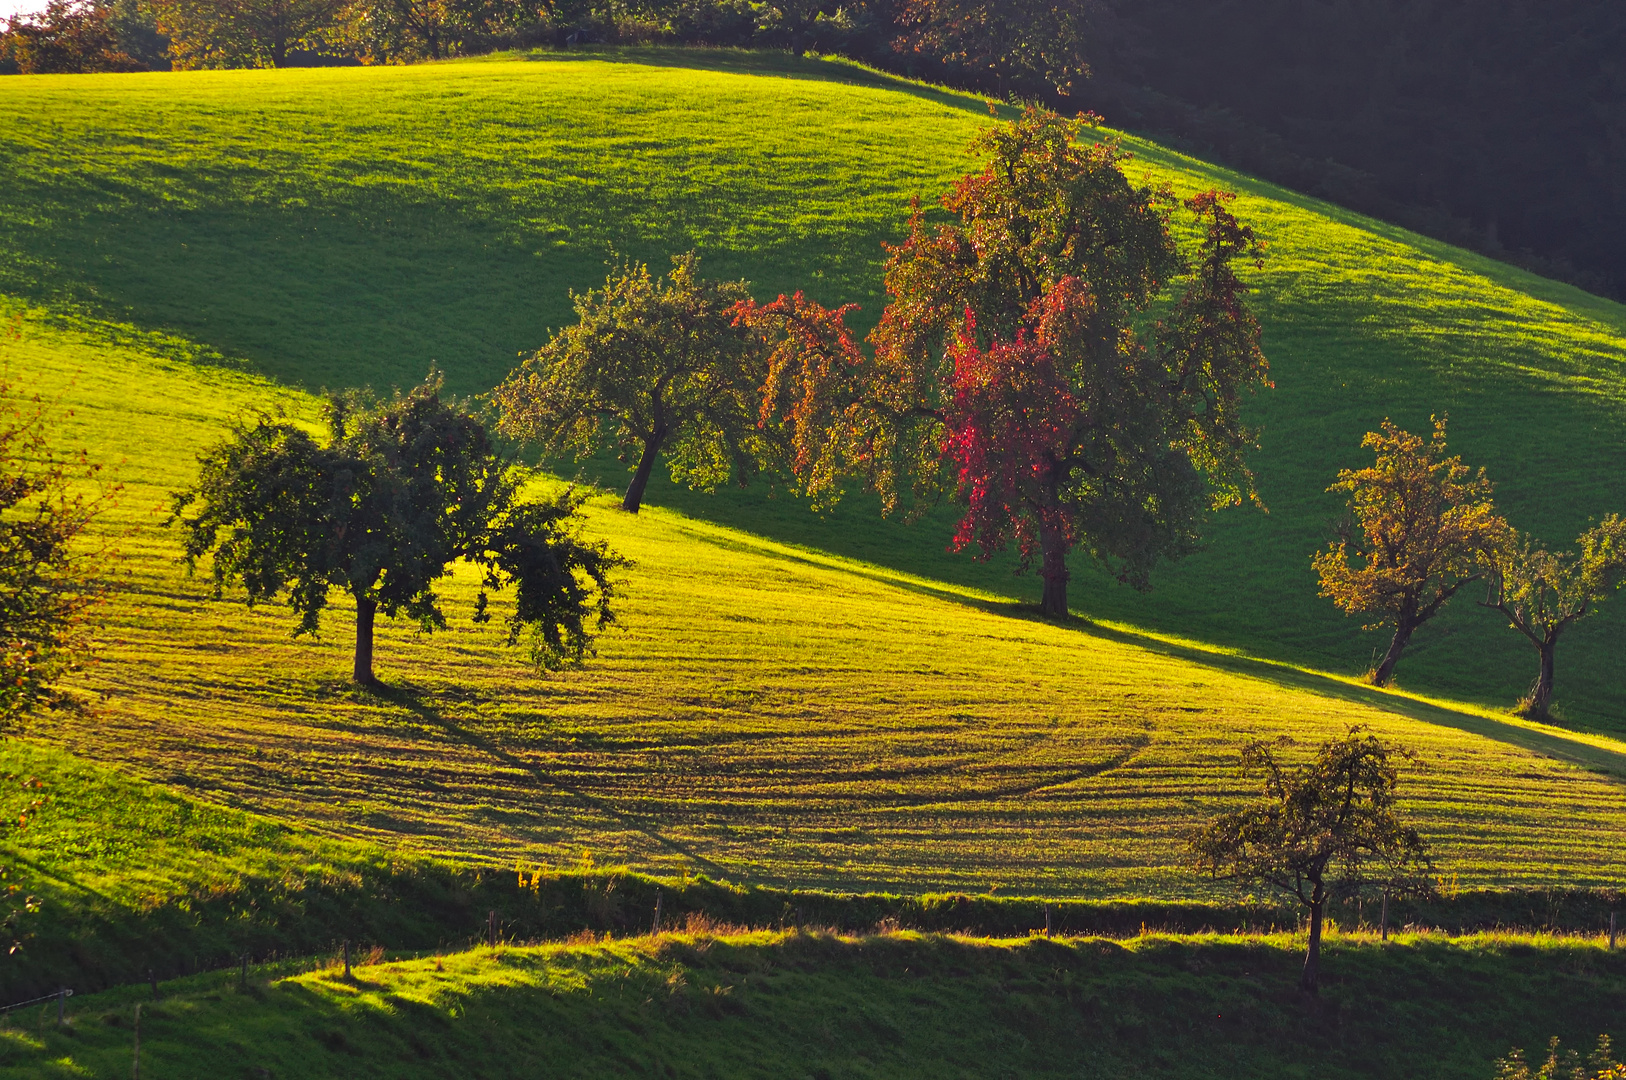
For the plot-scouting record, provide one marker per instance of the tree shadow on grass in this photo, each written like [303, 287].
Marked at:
[1553, 744]
[418, 704]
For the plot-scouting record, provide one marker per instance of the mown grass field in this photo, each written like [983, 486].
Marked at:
[334, 227]
[766, 714]
[820, 1005]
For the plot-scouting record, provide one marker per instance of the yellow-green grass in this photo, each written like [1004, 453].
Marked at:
[810, 1004]
[767, 714]
[345, 226]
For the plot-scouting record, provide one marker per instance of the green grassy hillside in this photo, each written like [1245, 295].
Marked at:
[768, 714]
[335, 227]
[818, 1005]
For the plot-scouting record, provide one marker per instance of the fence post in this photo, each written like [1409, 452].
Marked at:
[491, 928]
[1612, 929]
[1048, 927]
[347, 975]
[1383, 920]
[152, 979]
[655, 927]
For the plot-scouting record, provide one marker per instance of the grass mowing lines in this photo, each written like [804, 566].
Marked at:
[767, 713]
[898, 1004]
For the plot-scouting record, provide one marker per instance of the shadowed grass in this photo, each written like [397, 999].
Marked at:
[711, 1003]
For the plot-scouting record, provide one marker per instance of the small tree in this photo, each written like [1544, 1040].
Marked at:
[1016, 364]
[662, 364]
[1543, 593]
[401, 490]
[1326, 830]
[49, 576]
[1428, 527]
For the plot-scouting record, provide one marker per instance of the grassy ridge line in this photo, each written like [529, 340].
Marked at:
[896, 1004]
[763, 717]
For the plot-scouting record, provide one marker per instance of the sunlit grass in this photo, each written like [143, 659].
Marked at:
[766, 713]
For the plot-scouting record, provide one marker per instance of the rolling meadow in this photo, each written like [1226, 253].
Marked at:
[790, 701]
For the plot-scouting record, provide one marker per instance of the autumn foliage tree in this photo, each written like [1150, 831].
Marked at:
[1542, 593]
[1325, 830]
[400, 491]
[70, 37]
[1427, 527]
[1015, 364]
[653, 366]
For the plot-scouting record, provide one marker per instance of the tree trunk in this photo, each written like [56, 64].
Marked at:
[1542, 695]
[365, 611]
[1310, 980]
[1053, 569]
[1386, 669]
[640, 478]
[796, 46]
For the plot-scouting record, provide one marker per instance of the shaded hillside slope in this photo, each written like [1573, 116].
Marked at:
[767, 714]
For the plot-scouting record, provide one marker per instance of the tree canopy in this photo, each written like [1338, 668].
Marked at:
[49, 575]
[1542, 593]
[401, 490]
[1327, 829]
[1427, 527]
[1014, 366]
[652, 366]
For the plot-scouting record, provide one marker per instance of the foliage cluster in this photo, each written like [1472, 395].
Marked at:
[402, 491]
[1009, 365]
[50, 572]
[1428, 527]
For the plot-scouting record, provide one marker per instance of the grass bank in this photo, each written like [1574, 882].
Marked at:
[815, 1004]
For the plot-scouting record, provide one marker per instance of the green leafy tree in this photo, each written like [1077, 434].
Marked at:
[797, 19]
[400, 491]
[50, 575]
[1544, 593]
[1017, 364]
[244, 33]
[1325, 830]
[653, 366]
[1427, 528]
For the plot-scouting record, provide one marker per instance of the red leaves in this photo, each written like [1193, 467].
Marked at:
[1011, 426]
[812, 384]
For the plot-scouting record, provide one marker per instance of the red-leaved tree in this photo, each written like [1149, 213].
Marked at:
[1016, 367]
